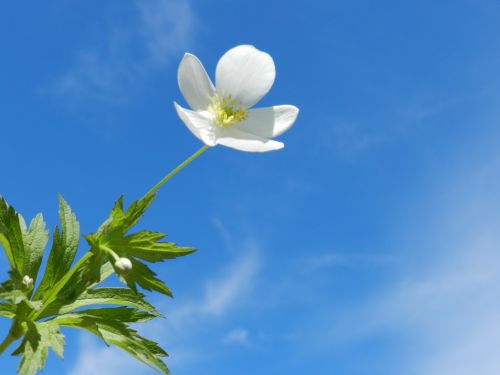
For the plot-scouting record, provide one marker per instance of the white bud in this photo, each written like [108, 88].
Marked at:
[123, 265]
[27, 282]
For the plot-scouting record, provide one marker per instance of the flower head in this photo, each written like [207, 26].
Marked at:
[222, 114]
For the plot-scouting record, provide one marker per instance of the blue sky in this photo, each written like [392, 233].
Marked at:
[369, 245]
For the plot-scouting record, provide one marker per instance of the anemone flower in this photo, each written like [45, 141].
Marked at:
[222, 114]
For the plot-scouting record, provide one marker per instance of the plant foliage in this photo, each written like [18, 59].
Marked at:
[69, 295]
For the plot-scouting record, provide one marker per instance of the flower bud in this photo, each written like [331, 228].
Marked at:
[123, 266]
[27, 283]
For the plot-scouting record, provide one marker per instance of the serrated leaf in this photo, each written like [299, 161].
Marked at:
[56, 340]
[22, 306]
[124, 221]
[73, 285]
[146, 278]
[15, 296]
[34, 239]
[121, 221]
[15, 282]
[64, 247]
[121, 314]
[11, 237]
[111, 296]
[114, 332]
[31, 337]
[5, 244]
[8, 310]
[34, 348]
[147, 246]
[64, 289]
[139, 347]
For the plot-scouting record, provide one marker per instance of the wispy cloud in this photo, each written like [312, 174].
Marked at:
[237, 336]
[446, 306]
[158, 31]
[226, 292]
[96, 359]
[338, 259]
[167, 27]
[223, 293]
[449, 312]
[186, 323]
[349, 139]
[357, 133]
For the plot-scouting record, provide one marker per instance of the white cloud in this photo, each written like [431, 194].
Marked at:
[167, 27]
[96, 359]
[159, 31]
[352, 136]
[449, 312]
[445, 306]
[337, 259]
[180, 332]
[349, 139]
[237, 336]
[223, 293]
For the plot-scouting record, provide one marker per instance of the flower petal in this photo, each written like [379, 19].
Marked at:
[245, 73]
[242, 141]
[198, 124]
[194, 82]
[269, 122]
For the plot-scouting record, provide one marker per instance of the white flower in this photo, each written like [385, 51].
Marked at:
[221, 115]
[123, 266]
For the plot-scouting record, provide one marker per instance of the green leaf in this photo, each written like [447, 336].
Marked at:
[111, 296]
[22, 305]
[34, 348]
[121, 314]
[146, 351]
[64, 291]
[5, 244]
[24, 247]
[15, 282]
[72, 285]
[122, 221]
[34, 239]
[15, 296]
[8, 310]
[64, 247]
[11, 237]
[114, 332]
[146, 278]
[147, 246]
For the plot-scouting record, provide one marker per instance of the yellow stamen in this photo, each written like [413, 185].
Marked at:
[226, 111]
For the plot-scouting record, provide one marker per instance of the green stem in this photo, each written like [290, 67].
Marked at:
[54, 291]
[110, 252]
[15, 332]
[6, 342]
[176, 170]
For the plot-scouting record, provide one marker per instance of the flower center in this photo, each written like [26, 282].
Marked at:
[226, 111]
